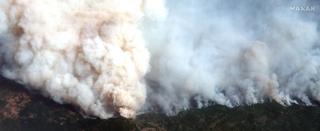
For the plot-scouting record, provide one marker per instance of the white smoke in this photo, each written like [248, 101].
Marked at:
[232, 53]
[92, 53]
[86, 52]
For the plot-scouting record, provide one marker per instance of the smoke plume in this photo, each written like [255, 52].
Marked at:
[122, 57]
[86, 52]
[233, 53]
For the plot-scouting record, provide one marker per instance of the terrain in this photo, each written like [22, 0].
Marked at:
[25, 110]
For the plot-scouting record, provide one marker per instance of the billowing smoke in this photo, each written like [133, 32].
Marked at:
[124, 57]
[87, 52]
[233, 53]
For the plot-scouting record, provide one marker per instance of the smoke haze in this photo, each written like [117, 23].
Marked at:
[122, 57]
[233, 53]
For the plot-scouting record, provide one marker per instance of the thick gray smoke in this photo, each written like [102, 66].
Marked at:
[130, 56]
